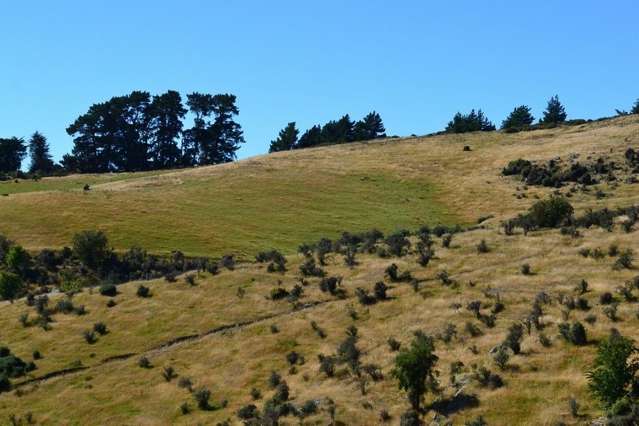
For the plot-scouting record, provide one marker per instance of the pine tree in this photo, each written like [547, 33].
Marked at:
[39, 153]
[286, 139]
[519, 119]
[555, 112]
[215, 136]
[635, 108]
[311, 137]
[12, 152]
[370, 127]
[165, 116]
[472, 122]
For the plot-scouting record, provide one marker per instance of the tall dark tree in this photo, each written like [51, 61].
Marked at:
[113, 135]
[164, 115]
[12, 152]
[215, 136]
[519, 119]
[472, 122]
[370, 127]
[286, 139]
[635, 108]
[132, 124]
[39, 153]
[555, 112]
[340, 131]
[311, 137]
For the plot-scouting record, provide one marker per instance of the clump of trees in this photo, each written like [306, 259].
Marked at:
[475, 121]
[143, 132]
[343, 130]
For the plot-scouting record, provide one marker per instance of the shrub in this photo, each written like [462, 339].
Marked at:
[278, 293]
[487, 379]
[514, 337]
[168, 373]
[606, 298]
[410, 418]
[109, 290]
[393, 344]
[501, 357]
[392, 272]
[228, 262]
[415, 369]
[611, 312]
[624, 261]
[281, 393]
[444, 278]
[144, 362]
[380, 290]
[327, 365]
[482, 247]
[143, 291]
[89, 337]
[100, 328]
[185, 408]
[274, 379]
[248, 412]
[11, 285]
[550, 213]
[525, 269]
[612, 372]
[446, 240]
[575, 334]
[397, 244]
[364, 297]
[202, 397]
[309, 269]
[472, 329]
[185, 383]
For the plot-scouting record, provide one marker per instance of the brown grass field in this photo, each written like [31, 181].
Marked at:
[280, 201]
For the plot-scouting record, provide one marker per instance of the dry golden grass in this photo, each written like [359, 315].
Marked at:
[539, 382]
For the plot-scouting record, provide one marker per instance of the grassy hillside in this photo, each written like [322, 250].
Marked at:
[282, 199]
[222, 338]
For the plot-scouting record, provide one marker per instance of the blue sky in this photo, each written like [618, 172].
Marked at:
[415, 62]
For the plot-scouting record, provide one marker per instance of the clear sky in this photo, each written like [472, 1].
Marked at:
[415, 62]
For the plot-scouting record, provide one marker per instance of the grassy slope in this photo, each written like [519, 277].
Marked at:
[284, 199]
[539, 382]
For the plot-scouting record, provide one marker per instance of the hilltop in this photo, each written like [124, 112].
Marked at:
[229, 329]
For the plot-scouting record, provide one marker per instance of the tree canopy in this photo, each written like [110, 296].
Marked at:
[140, 132]
[39, 154]
[12, 152]
[519, 119]
[472, 122]
[286, 139]
[555, 112]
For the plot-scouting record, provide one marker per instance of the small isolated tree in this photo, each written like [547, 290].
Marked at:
[635, 108]
[286, 140]
[92, 248]
[555, 112]
[415, 369]
[613, 371]
[519, 119]
[39, 154]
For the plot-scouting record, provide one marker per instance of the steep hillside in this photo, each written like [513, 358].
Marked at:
[227, 332]
[282, 199]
